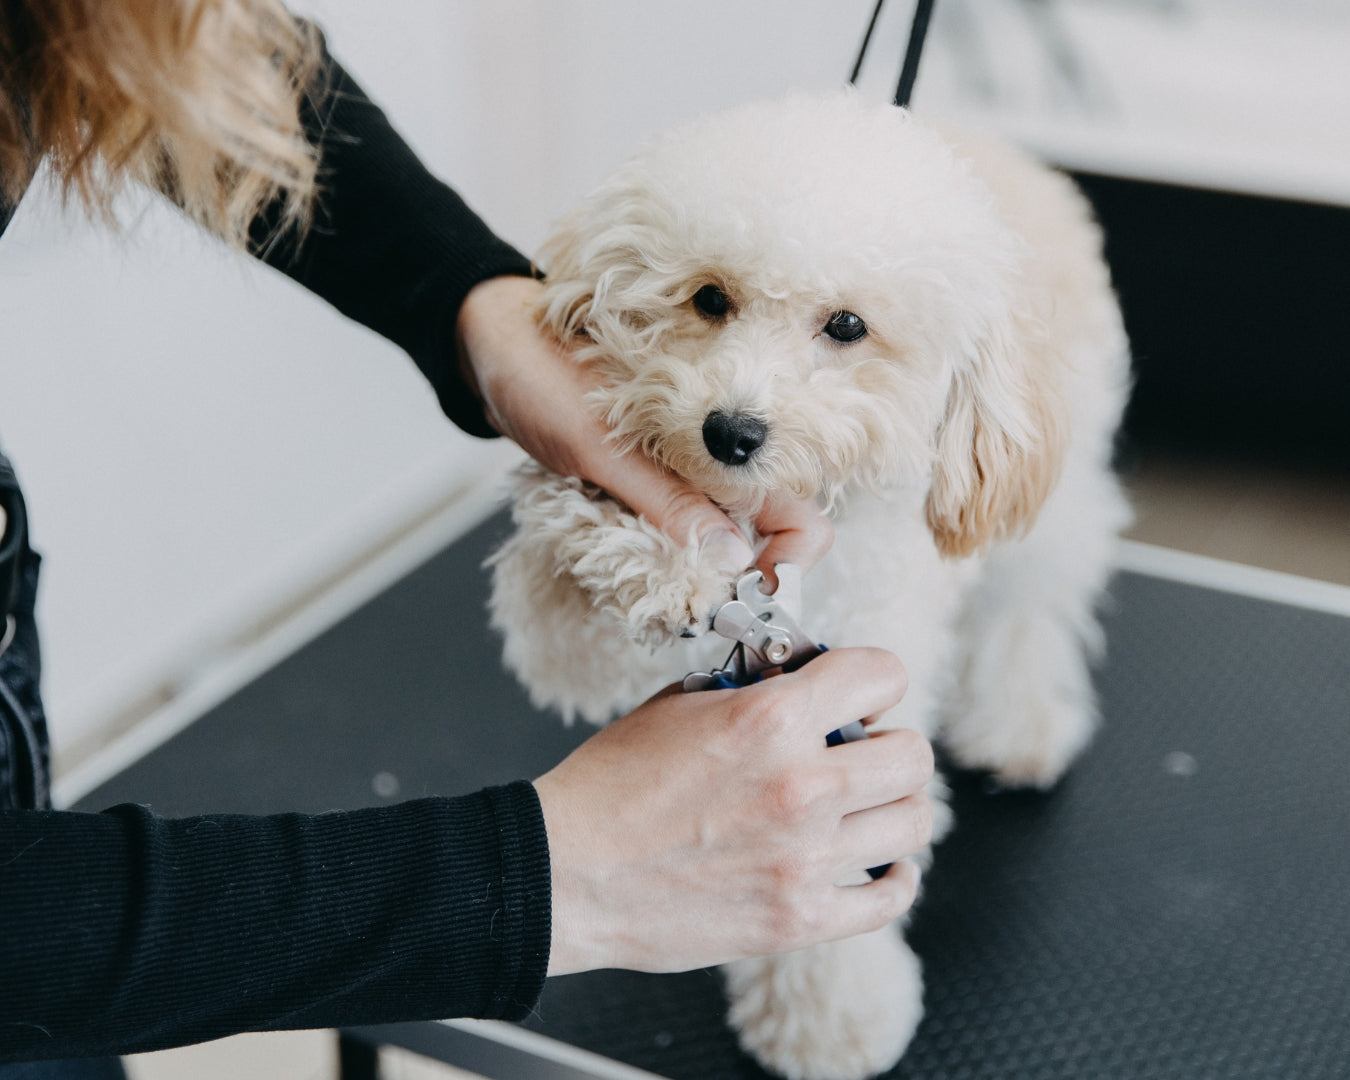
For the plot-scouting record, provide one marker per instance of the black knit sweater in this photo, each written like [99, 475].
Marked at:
[123, 932]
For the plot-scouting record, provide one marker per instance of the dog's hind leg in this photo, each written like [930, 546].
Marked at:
[1023, 705]
[844, 1010]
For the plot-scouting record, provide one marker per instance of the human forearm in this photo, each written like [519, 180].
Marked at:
[125, 932]
[390, 245]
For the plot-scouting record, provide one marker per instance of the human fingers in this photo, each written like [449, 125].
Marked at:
[884, 834]
[901, 756]
[883, 768]
[843, 911]
[874, 772]
[534, 392]
[834, 689]
[886, 899]
[679, 510]
[797, 531]
[734, 827]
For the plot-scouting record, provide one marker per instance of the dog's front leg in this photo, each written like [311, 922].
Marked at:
[585, 591]
[845, 1010]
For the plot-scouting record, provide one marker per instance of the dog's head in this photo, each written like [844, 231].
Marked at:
[807, 295]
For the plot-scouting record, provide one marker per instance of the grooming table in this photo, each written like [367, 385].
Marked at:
[1178, 908]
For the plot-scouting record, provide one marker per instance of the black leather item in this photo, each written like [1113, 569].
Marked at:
[23, 725]
[14, 541]
[22, 761]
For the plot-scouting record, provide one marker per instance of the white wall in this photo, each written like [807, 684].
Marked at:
[1245, 94]
[201, 441]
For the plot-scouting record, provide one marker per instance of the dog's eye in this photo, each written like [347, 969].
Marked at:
[712, 302]
[845, 327]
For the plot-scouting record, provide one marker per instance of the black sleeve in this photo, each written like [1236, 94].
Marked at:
[123, 932]
[390, 245]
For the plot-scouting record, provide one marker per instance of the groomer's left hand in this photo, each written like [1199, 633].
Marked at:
[535, 394]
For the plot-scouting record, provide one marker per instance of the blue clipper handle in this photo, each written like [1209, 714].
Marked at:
[722, 681]
[848, 733]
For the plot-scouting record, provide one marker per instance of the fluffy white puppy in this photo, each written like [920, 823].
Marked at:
[824, 297]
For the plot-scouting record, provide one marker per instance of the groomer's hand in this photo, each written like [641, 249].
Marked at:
[708, 827]
[535, 394]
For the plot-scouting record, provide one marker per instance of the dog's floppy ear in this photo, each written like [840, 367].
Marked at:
[568, 292]
[1000, 444]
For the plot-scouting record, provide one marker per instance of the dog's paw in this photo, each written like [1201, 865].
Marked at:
[625, 572]
[846, 1010]
[658, 589]
[1029, 745]
[1025, 707]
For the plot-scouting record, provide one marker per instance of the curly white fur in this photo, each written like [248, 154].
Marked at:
[962, 446]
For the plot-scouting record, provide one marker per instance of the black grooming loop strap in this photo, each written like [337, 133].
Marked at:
[918, 30]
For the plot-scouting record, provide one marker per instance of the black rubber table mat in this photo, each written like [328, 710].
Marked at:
[1178, 908]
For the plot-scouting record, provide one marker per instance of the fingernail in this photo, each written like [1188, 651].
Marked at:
[726, 550]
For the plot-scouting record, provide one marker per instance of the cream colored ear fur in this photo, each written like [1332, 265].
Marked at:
[568, 292]
[1001, 442]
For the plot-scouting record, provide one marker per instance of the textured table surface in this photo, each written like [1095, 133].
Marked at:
[1178, 908]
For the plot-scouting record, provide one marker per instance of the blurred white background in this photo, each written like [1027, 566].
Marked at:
[203, 444]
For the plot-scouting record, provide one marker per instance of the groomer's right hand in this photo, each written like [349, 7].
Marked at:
[703, 828]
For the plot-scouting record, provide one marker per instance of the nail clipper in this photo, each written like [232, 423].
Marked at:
[767, 635]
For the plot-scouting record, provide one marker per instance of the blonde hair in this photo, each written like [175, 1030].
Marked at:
[199, 99]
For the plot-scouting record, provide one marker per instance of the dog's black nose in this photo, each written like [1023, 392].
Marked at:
[732, 438]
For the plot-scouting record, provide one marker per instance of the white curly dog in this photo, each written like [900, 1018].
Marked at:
[825, 297]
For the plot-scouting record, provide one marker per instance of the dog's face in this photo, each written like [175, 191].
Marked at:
[802, 296]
